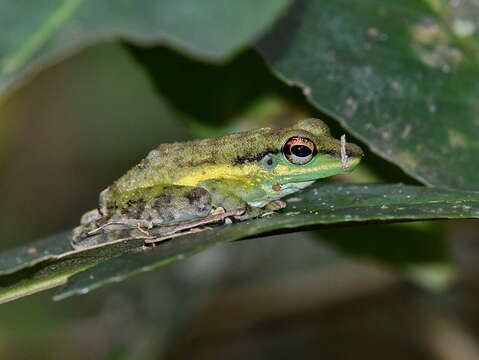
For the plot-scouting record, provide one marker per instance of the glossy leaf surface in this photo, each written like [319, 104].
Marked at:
[323, 204]
[402, 76]
[38, 33]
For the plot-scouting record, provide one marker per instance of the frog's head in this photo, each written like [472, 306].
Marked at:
[306, 151]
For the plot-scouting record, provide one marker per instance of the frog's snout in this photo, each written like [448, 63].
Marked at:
[340, 149]
[354, 151]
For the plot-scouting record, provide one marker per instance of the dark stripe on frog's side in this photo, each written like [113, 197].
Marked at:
[253, 157]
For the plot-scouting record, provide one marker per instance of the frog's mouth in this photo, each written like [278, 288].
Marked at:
[296, 186]
[326, 165]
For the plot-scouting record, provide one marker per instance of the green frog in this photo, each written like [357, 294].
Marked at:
[180, 187]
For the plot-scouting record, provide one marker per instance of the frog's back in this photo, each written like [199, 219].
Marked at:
[170, 162]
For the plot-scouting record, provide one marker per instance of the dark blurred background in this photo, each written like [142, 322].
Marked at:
[79, 125]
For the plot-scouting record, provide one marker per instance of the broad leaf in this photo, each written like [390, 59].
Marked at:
[47, 271]
[402, 76]
[321, 205]
[39, 32]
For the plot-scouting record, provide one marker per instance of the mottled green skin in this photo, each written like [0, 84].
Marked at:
[188, 180]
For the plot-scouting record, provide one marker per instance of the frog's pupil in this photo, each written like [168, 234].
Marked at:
[301, 150]
[270, 162]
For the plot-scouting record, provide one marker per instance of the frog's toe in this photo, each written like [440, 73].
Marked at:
[275, 205]
[251, 212]
[218, 210]
[77, 233]
[269, 213]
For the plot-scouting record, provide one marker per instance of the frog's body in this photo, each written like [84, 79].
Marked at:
[240, 173]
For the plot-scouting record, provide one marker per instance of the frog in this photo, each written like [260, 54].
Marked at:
[182, 187]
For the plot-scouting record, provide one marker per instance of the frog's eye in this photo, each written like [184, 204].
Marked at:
[299, 150]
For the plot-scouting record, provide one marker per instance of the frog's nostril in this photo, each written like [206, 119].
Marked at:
[351, 151]
[332, 153]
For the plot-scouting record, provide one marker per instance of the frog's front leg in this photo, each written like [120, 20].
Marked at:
[227, 193]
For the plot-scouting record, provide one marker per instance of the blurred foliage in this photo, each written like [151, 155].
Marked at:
[217, 94]
[395, 244]
[39, 33]
[68, 122]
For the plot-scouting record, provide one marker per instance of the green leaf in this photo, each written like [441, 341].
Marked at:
[33, 253]
[402, 76]
[47, 271]
[37, 33]
[320, 205]
[323, 204]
